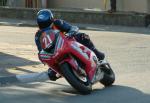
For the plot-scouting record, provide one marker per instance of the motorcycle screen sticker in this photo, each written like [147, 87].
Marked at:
[95, 59]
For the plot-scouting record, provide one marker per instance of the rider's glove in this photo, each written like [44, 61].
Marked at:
[71, 34]
[73, 31]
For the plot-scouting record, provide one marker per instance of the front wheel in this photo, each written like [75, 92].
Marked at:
[76, 81]
[109, 76]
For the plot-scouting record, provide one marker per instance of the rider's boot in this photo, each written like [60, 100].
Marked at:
[53, 75]
[99, 54]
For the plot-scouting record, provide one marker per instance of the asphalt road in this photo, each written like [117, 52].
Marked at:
[127, 49]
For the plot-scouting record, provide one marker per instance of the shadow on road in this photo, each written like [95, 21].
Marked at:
[66, 94]
[114, 94]
[8, 61]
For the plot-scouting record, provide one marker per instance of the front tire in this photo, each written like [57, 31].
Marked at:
[84, 87]
[109, 76]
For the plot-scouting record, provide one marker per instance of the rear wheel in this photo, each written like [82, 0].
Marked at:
[109, 76]
[79, 82]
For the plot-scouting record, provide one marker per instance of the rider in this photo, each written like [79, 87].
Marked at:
[46, 21]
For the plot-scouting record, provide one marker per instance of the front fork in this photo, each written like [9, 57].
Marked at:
[99, 74]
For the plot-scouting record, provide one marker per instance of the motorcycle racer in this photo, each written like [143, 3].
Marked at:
[46, 22]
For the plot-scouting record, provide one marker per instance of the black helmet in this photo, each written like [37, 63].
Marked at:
[44, 18]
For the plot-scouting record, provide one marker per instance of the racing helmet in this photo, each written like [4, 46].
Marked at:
[44, 18]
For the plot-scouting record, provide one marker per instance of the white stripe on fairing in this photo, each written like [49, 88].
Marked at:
[62, 42]
[59, 43]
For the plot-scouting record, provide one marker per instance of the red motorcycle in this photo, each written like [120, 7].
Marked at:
[77, 64]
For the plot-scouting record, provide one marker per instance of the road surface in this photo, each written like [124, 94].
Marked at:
[127, 49]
